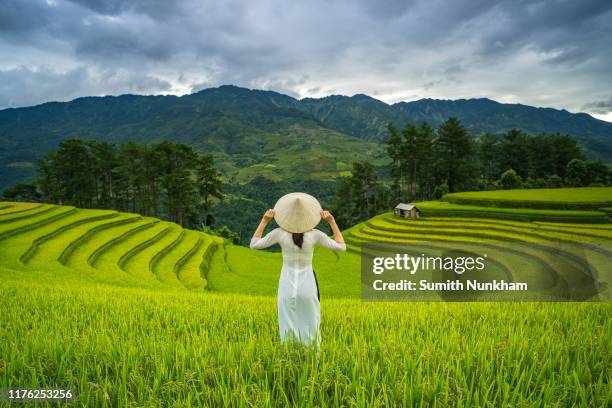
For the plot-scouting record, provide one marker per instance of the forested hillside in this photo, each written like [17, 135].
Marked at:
[264, 141]
[252, 132]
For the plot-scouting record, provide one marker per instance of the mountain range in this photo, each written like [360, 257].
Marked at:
[264, 133]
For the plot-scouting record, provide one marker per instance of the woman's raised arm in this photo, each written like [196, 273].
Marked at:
[337, 244]
[257, 242]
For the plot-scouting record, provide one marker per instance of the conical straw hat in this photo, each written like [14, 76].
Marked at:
[297, 212]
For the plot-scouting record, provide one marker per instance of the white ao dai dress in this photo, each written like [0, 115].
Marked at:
[299, 311]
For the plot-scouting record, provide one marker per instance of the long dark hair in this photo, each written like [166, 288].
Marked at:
[298, 238]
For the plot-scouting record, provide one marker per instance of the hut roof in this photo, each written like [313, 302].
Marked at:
[403, 206]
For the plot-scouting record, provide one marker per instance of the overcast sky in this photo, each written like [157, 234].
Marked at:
[544, 53]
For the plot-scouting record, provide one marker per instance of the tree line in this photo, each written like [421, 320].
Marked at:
[165, 180]
[427, 163]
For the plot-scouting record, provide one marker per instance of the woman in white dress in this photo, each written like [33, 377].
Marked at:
[298, 292]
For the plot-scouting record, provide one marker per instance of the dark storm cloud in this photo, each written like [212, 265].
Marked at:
[158, 9]
[546, 53]
[602, 107]
[550, 25]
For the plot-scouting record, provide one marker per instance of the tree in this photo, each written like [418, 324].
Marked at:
[105, 160]
[27, 192]
[224, 232]
[209, 186]
[359, 196]
[178, 187]
[365, 189]
[541, 157]
[453, 151]
[133, 174]
[425, 165]
[395, 151]
[514, 152]
[488, 153]
[440, 191]
[554, 181]
[576, 173]
[598, 173]
[165, 180]
[342, 205]
[72, 165]
[410, 158]
[510, 179]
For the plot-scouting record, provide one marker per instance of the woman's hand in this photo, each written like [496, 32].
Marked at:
[326, 215]
[268, 215]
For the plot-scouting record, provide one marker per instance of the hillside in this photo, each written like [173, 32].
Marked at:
[131, 250]
[581, 198]
[266, 133]
[73, 244]
[485, 115]
[133, 310]
[249, 132]
[359, 115]
[558, 252]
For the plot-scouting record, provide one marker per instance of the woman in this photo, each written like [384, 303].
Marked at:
[298, 214]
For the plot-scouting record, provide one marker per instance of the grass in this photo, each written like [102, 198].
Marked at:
[12, 209]
[445, 209]
[579, 198]
[120, 347]
[140, 264]
[550, 250]
[195, 263]
[8, 222]
[126, 322]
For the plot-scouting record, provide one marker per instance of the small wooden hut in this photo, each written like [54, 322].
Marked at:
[406, 211]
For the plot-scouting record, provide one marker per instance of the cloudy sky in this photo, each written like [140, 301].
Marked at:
[544, 53]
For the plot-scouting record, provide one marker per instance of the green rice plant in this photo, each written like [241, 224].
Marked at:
[565, 263]
[595, 233]
[206, 349]
[67, 254]
[539, 239]
[583, 232]
[143, 242]
[23, 246]
[192, 267]
[108, 261]
[527, 231]
[131, 339]
[444, 209]
[37, 221]
[125, 232]
[99, 237]
[163, 262]
[11, 208]
[25, 213]
[56, 230]
[19, 219]
[241, 270]
[579, 198]
[140, 263]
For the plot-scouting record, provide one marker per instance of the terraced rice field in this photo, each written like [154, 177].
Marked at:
[104, 246]
[446, 209]
[135, 311]
[579, 198]
[561, 252]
